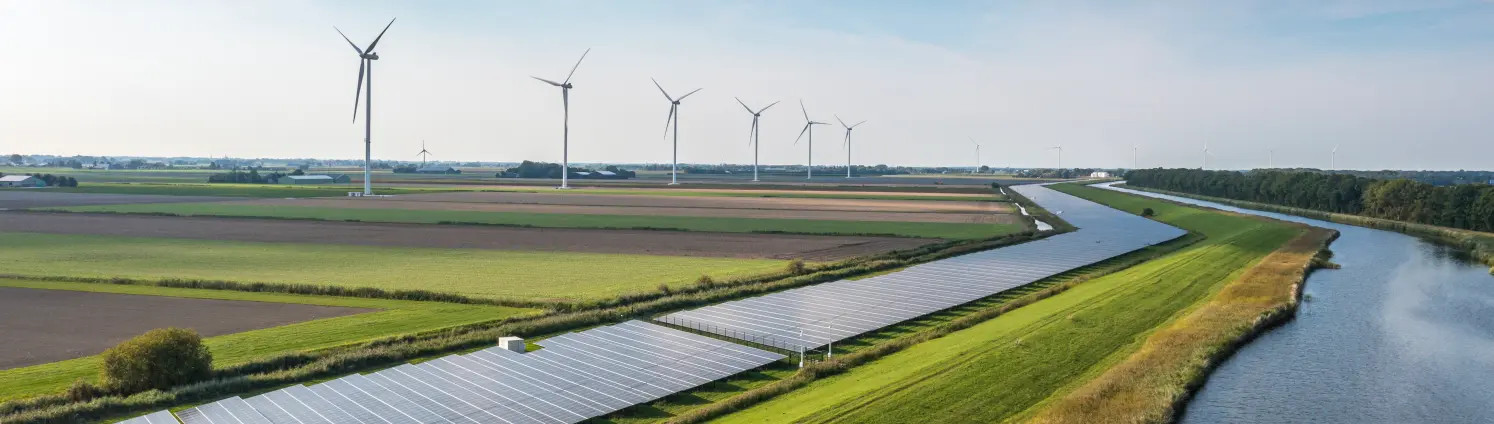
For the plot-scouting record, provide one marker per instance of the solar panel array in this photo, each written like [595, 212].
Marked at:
[811, 317]
[159, 417]
[575, 377]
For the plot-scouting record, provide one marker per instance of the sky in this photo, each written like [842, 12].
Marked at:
[1393, 84]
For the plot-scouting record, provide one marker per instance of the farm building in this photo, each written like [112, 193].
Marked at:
[1099, 174]
[313, 179]
[438, 169]
[21, 181]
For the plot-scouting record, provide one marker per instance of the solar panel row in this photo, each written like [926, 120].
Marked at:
[575, 377]
[811, 317]
[159, 417]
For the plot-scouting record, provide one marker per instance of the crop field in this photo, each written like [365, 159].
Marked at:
[473, 272]
[1003, 368]
[390, 317]
[229, 190]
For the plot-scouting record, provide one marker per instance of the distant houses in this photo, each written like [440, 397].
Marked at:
[21, 181]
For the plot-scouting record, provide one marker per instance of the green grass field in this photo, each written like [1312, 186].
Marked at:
[393, 318]
[473, 272]
[759, 193]
[557, 220]
[1001, 369]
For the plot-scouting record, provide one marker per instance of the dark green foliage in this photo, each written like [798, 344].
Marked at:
[1148, 212]
[795, 267]
[1465, 206]
[159, 359]
[83, 391]
[241, 177]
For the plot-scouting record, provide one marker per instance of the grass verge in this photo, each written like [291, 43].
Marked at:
[234, 190]
[393, 318]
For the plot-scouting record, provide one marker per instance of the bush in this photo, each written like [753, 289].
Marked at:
[705, 282]
[1148, 212]
[796, 267]
[83, 391]
[159, 359]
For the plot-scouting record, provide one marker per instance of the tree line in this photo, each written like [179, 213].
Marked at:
[53, 180]
[1465, 206]
[251, 177]
[529, 169]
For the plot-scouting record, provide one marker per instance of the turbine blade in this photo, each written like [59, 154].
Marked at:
[358, 94]
[801, 134]
[381, 35]
[687, 94]
[752, 133]
[661, 89]
[744, 106]
[842, 123]
[547, 81]
[578, 65]
[350, 42]
[667, 120]
[858, 124]
[848, 140]
[801, 108]
[765, 108]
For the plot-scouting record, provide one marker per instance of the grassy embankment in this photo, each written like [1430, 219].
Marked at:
[472, 272]
[952, 231]
[764, 193]
[392, 318]
[1477, 243]
[998, 369]
[234, 190]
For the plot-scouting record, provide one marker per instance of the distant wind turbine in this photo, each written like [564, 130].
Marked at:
[366, 57]
[808, 128]
[977, 155]
[1271, 159]
[1206, 156]
[423, 153]
[847, 144]
[1135, 157]
[1060, 155]
[674, 112]
[753, 134]
[1332, 157]
[565, 102]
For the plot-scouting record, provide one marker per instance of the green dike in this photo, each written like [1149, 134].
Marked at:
[473, 272]
[394, 317]
[1001, 368]
[760, 193]
[940, 230]
[235, 190]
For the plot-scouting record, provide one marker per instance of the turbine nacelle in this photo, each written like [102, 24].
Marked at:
[370, 56]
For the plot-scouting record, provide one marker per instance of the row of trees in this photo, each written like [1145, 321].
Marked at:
[529, 169]
[1466, 206]
[251, 177]
[54, 180]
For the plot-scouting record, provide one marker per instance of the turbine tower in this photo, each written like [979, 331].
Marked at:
[753, 134]
[366, 57]
[1206, 156]
[977, 155]
[423, 153]
[808, 128]
[565, 102]
[1135, 157]
[674, 111]
[1271, 159]
[847, 144]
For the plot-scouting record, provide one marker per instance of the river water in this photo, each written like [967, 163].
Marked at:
[1403, 333]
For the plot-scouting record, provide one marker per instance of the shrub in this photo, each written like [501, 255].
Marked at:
[705, 282]
[83, 391]
[1148, 212]
[159, 359]
[796, 267]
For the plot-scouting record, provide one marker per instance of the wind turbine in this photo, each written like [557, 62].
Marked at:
[1332, 157]
[1135, 157]
[753, 134]
[423, 153]
[1060, 155]
[977, 155]
[565, 102]
[808, 128]
[1206, 156]
[1271, 159]
[365, 67]
[674, 111]
[847, 143]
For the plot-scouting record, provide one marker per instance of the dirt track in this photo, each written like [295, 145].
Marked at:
[42, 326]
[36, 198]
[673, 243]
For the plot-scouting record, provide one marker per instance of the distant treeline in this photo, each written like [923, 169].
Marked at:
[1465, 206]
[53, 180]
[553, 170]
[251, 177]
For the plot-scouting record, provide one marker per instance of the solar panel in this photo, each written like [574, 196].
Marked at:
[158, 417]
[812, 317]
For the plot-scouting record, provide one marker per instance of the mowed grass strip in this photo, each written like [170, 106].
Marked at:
[234, 190]
[999, 369]
[472, 272]
[762, 193]
[393, 318]
[951, 231]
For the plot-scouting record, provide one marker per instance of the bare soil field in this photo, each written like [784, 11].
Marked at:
[44, 326]
[645, 242]
[768, 203]
[36, 198]
[409, 204]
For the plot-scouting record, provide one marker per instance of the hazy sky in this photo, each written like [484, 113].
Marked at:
[1400, 84]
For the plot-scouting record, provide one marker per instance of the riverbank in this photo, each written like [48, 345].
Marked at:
[1479, 245]
[1153, 384]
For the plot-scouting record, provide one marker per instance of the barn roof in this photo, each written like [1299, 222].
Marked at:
[12, 178]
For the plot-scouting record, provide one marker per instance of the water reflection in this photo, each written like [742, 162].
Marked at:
[1403, 333]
